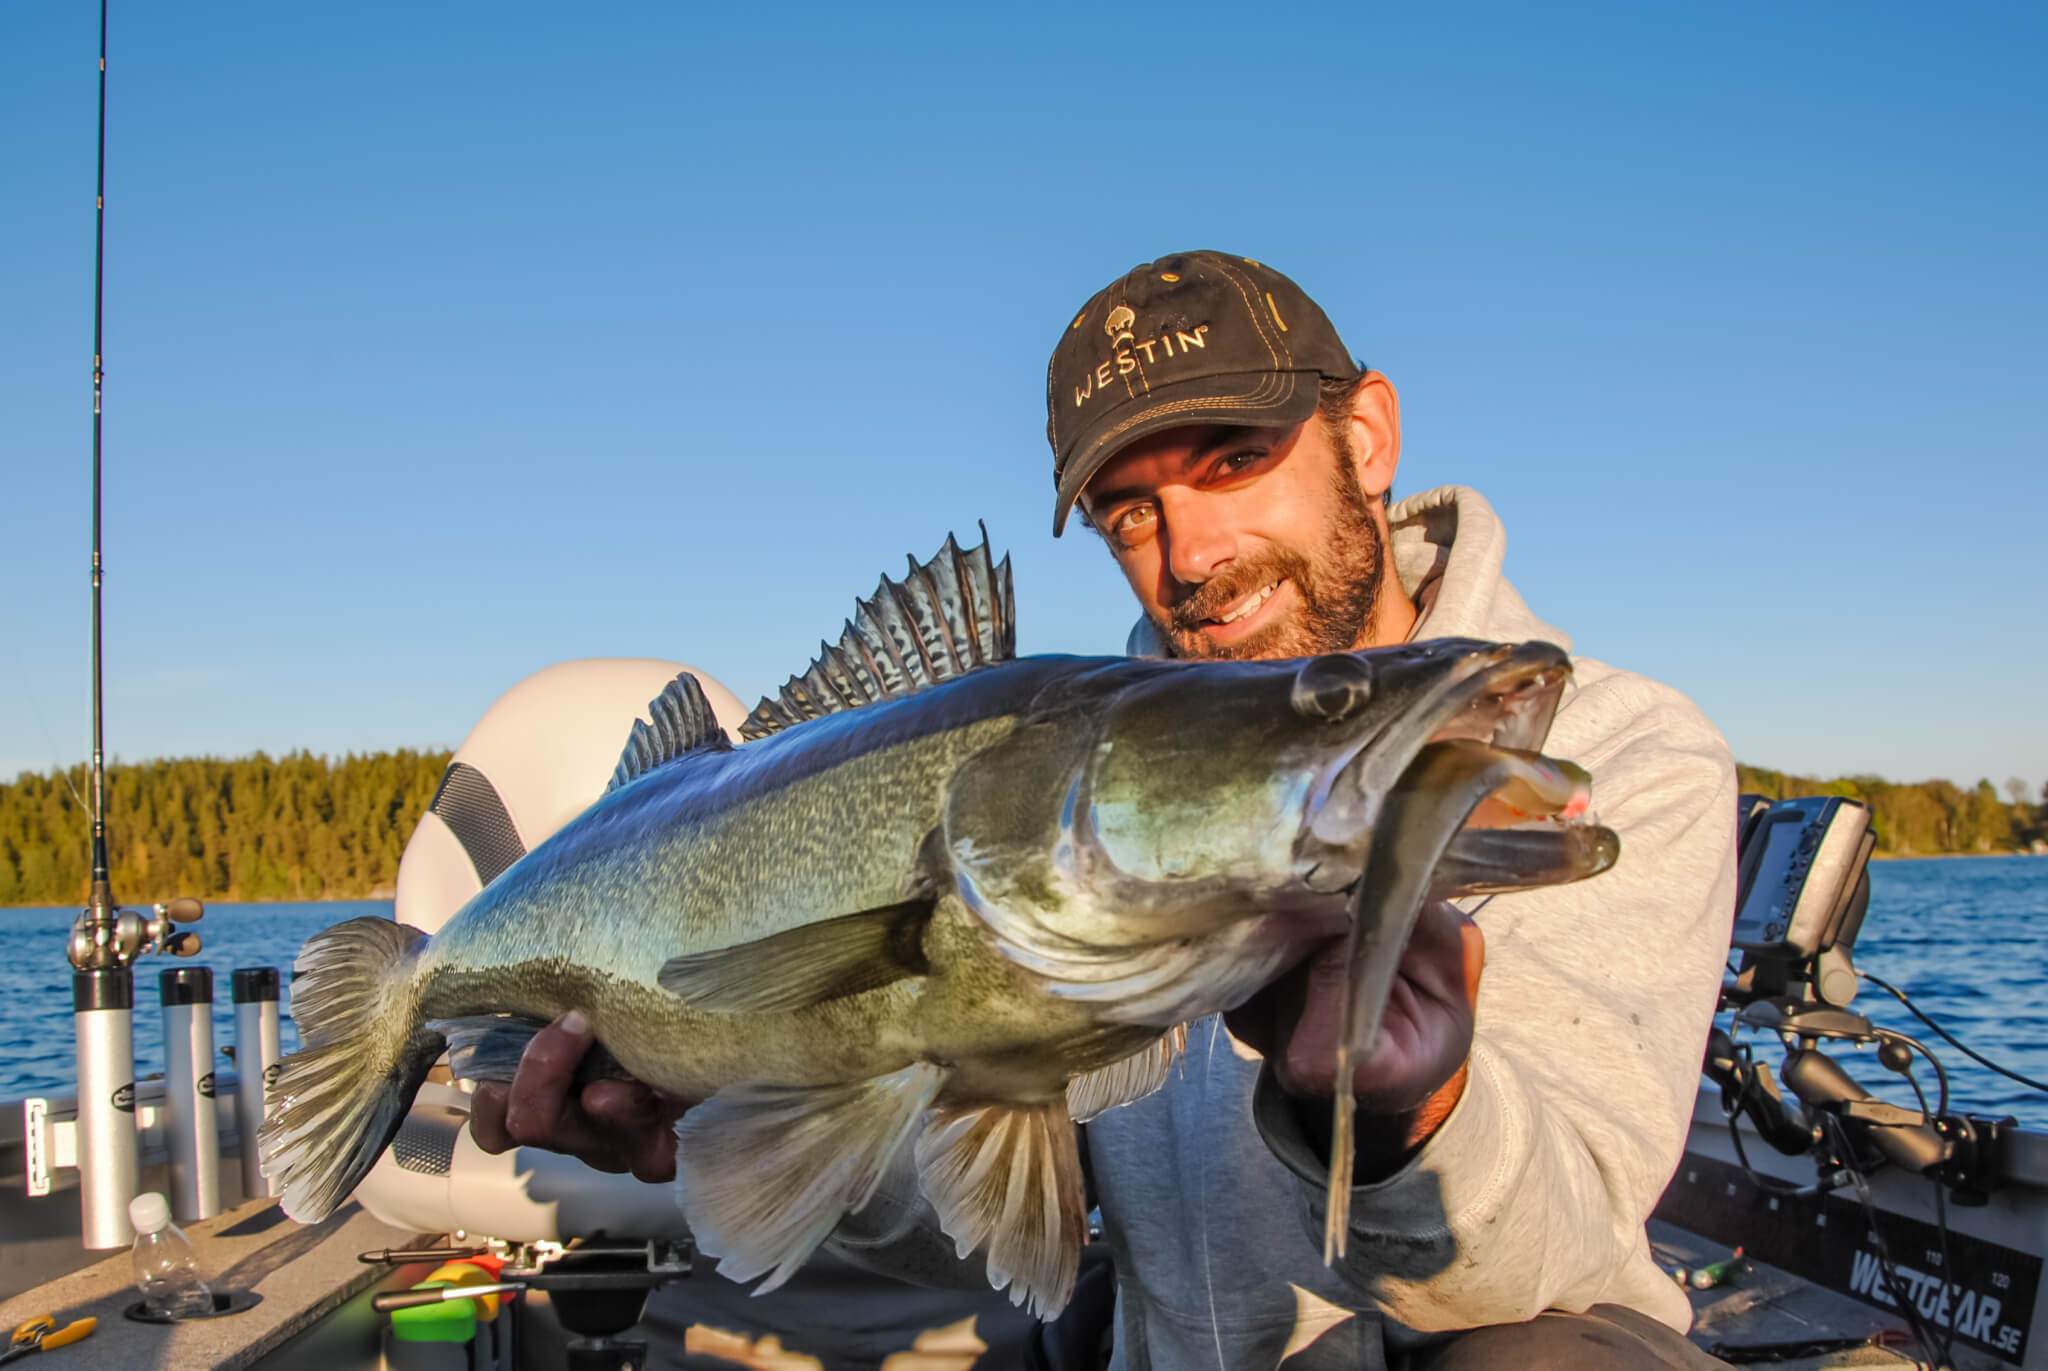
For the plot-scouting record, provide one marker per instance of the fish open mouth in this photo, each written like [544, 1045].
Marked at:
[1528, 824]
[1535, 827]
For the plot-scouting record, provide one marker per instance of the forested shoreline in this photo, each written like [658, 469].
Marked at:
[1926, 818]
[301, 827]
[297, 827]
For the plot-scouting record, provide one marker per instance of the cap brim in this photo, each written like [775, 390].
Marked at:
[1265, 399]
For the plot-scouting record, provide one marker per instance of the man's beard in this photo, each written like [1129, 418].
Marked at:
[1339, 584]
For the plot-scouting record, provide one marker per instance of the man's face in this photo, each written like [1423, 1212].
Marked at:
[1244, 542]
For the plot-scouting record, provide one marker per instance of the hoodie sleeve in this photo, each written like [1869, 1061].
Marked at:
[1592, 1015]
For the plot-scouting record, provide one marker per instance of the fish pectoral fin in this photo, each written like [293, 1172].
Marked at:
[1006, 1179]
[764, 1173]
[487, 1047]
[1133, 1078]
[805, 966]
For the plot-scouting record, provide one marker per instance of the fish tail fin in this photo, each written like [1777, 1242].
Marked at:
[341, 1097]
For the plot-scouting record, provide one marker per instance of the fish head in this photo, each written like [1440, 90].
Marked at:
[1171, 798]
[1271, 775]
[1164, 838]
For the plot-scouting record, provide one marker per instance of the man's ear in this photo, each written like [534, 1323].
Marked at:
[1376, 434]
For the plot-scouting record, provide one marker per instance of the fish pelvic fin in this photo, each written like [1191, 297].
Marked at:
[488, 1047]
[1133, 1078]
[1006, 1179]
[946, 617]
[341, 1097]
[765, 1173]
[806, 965]
[682, 723]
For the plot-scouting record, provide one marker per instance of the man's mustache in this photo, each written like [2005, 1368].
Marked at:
[1212, 597]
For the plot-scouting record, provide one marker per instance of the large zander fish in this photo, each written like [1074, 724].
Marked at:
[947, 900]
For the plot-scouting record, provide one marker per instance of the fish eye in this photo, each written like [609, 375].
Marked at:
[1332, 687]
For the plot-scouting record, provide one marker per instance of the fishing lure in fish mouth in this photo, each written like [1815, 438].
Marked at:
[941, 904]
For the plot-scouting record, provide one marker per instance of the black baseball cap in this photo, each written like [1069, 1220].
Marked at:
[1194, 338]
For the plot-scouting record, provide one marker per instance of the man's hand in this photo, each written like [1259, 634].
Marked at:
[1416, 1073]
[612, 1125]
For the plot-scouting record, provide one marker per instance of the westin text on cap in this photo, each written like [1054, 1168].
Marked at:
[1194, 338]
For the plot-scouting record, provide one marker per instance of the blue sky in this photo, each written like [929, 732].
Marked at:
[445, 342]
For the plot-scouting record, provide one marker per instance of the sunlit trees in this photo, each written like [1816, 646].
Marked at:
[1924, 819]
[297, 827]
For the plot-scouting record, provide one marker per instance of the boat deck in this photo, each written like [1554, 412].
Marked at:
[302, 1275]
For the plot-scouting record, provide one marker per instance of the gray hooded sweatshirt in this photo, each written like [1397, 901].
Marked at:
[1591, 1019]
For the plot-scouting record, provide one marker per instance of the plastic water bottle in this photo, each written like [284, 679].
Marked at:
[166, 1267]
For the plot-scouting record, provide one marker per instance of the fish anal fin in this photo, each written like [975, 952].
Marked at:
[1006, 1180]
[946, 617]
[806, 965]
[679, 721]
[764, 1173]
[1121, 1082]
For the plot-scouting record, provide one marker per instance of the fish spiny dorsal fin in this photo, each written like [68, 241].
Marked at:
[945, 617]
[682, 722]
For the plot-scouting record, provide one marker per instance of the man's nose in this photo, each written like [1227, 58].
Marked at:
[1199, 541]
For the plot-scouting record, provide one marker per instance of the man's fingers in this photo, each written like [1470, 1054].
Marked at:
[642, 1120]
[623, 1105]
[487, 1117]
[540, 1086]
[1445, 948]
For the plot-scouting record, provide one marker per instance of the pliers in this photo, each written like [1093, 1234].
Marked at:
[41, 1333]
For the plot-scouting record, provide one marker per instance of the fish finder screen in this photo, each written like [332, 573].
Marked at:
[1770, 904]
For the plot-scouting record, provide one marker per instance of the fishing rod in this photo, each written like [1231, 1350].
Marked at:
[102, 897]
[106, 939]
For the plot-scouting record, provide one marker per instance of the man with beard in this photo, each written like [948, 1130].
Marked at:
[1209, 425]
[1535, 1075]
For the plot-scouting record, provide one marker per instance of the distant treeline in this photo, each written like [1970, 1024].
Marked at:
[1925, 819]
[297, 827]
[302, 827]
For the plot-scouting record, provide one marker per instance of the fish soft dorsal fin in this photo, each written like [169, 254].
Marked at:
[942, 620]
[682, 723]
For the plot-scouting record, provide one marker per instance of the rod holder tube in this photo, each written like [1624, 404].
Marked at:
[256, 1054]
[103, 1005]
[191, 1129]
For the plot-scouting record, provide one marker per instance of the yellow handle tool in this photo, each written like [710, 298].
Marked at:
[41, 1333]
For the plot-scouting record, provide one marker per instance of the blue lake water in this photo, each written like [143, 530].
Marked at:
[35, 983]
[1966, 938]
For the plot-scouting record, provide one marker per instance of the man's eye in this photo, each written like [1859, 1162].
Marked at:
[1238, 461]
[1133, 526]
